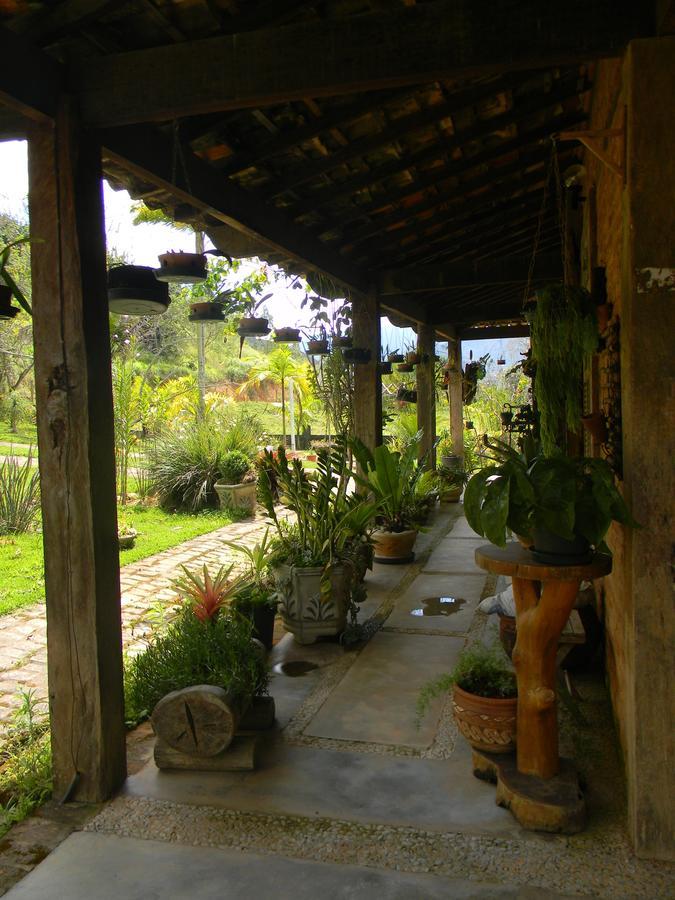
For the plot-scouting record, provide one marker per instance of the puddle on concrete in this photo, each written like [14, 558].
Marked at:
[294, 668]
[439, 606]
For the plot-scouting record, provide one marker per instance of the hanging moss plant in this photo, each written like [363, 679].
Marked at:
[564, 331]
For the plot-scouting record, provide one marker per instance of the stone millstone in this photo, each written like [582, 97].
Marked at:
[199, 720]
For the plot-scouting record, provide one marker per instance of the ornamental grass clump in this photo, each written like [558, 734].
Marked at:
[208, 643]
[19, 495]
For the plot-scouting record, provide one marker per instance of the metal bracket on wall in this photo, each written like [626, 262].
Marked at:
[593, 141]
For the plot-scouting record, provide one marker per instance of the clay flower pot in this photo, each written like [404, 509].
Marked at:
[413, 358]
[395, 358]
[405, 367]
[252, 326]
[488, 723]
[237, 496]
[181, 268]
[287, 335]
[385, 367]
[303, 610]
[394, 546]
[318, 347]
[342, 341]
[206, 312]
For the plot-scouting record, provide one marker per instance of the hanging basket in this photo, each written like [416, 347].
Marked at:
[250, 326]
[395, 358]
[413, 358]
[358, 355]
[318, 347]
[342, 341]
[134, 291]
[181, 268]
[206, 312]
[405, 367]
[7, 311]
[287, 335]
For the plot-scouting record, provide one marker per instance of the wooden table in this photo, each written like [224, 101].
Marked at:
[544, 596]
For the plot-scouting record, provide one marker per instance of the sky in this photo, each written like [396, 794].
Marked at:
[142, 244]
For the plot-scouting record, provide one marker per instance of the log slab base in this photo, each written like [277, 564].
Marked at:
[238, 757]
[554, 804]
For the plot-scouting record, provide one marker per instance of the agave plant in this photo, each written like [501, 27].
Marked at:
[19, 495]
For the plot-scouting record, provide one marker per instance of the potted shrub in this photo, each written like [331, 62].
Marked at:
[563, 506]
[392, 478]
[126, 536]
[451, 483]
[484, 698]
[236, 485]
[181, 268]
[312, 568]
[207, 650]
[257, 598]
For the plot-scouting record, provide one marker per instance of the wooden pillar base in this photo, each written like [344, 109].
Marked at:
[554, 804]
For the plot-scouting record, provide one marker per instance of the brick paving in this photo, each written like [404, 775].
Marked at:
[147, 591]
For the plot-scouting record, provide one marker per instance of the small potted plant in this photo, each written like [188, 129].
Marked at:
[126, 536]
[318, 343]
[257, 596]
[413, 357]
[449, 459]
[451, 483]
[287, 335]
[250, 325]
[356, 355]
[181, 268]
[484, 699]
[236, 485]
[395, 357]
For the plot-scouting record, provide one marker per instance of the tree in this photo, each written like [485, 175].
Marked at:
[277, 368]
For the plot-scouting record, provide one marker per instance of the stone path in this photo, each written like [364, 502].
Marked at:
[146, 591]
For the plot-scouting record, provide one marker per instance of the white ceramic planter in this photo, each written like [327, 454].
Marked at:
[237, 496]
[304, 612]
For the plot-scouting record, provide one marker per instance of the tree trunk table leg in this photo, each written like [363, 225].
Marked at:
[542, 611]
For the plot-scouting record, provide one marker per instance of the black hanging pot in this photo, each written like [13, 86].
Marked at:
[358, 355]
[385, 367]
[342, 341]
[206, 312]
[287, 335]
[318, 347]
[252, 326]
[181, 268]
[506, 418]
[134, 291]
[554, 550]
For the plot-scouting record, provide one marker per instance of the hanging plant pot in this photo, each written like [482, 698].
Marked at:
[406, 395]
[287, 335]
[413, 358]
[181, 268]
[134, 291]
[318, 347]
[342, 341]
[206, 312]
[405, 367]
[7, 311]
[357, 355]
[596, 426]
[385, 367]
[501, 361]
[395, 358]
[468, 425]
[250, 326]
[507, 418]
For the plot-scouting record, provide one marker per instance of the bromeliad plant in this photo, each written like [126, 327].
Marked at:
[208, 595]
[526, 492]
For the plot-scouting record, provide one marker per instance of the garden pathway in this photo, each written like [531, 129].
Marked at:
[146, 592]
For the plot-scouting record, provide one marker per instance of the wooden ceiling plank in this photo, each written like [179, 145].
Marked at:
[148, 154]
[437, 40]
[37, 96]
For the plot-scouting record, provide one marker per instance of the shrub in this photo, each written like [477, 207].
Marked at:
[216, 651]
[234, 467]
[19, 495]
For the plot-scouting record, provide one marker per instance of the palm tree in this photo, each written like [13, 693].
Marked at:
[277, 368]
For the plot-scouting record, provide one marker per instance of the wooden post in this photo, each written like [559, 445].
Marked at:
[426, 392]
[367, 379]
[77, 464]
[455, 397]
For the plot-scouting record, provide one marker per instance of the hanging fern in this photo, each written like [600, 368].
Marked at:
[563, 329]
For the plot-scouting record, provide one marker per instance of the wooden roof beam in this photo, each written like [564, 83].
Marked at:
[34, 95]
[147, 153]
[436, 40]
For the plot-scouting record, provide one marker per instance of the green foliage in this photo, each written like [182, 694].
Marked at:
[332, 382]
[208, 594]
[235, 466]
[277, 368]
[257, 585]
[217, 651]
[404, 431]
[25, 758]
[19, 495]
[524, 491]
[564, 333]
[7, 278]
[394, 481]
[480, 670]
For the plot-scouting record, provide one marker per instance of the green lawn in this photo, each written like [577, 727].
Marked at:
[27, 434]
[21, 566]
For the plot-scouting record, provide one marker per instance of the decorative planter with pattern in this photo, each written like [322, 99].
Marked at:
[237, 496]
[487, 723]
[304, 612]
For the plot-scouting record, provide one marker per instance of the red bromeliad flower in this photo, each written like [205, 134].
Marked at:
[208, 595]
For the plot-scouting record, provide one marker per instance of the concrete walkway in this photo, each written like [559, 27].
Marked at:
[146, 589]
[349, 798]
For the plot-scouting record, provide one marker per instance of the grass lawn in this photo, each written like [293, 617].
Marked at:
[21, 566]
[27, 434]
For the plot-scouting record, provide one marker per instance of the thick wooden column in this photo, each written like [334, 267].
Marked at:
[77, 466]
[455, 397]
[367, 379]
[426, 392]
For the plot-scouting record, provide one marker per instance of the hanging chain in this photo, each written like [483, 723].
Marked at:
[178, 156]
[562, 217]
[552, 165]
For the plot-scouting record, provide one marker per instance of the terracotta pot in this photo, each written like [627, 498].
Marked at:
[287, 335]
[304, 612]
[342, 341]
[181, 268]
[405, 367]
[237, 496]
[395, 358]
[487, 723]
[394, 546]
[596, 426]
[413, 358]
[253, 326]
[311, 457]
[318, 347]
[206, 312]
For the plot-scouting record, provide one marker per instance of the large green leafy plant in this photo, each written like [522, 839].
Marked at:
[525, 491]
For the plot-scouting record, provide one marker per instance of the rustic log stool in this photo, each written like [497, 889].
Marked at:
[541, 790]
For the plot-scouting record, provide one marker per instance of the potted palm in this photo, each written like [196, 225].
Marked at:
[396, 482]
[312, 566]
[484, 698]
[236, 485]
